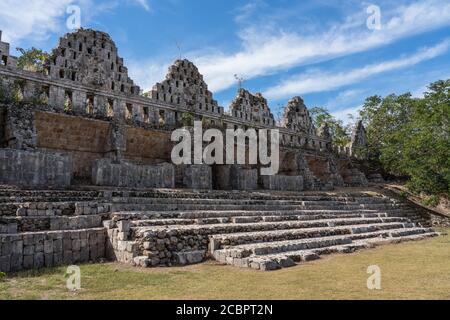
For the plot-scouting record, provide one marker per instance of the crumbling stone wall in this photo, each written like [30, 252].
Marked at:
[90, 57]
[252, 108]
[85, 78]
[358, 144]
[20, 130]
[296, 117]
[184, 87]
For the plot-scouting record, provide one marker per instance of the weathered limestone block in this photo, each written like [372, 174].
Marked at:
[190, 257]
[283, 183]
[123, 174]
[197, 177]
[243, 179]
[355, 178]
[19, 127]
[50, 248]
[35, 168]
[310, 181]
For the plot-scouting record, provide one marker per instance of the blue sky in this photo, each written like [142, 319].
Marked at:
[320, 50]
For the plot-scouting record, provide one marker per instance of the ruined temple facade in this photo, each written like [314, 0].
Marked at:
[85, 112]
[86, 173]
[184, 87]
[252, 108]
[296, 117]
[358, 143]
[90, 57]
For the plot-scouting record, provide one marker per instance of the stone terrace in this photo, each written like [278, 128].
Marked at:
[260, 229]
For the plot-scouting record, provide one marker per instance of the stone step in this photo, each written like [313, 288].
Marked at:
[252, 219]
[260, 194]
[266, 248]
[275, 255]
[221, 241]
[207, 214]
[48, 194]
[330, 201]
[52, 223]
[154, 232]
[190, 207]
[6, 200]
[149, 215]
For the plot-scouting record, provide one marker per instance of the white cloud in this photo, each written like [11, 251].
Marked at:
[264, 52]
[143, 3]
[146, 73]
[31, 18]
[245, 11]
[346, 114]
[318, 81]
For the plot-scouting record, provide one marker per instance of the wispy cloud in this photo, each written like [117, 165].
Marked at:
[147, 73]
[144, 4]
[266, 51]
[31, 18]
[39, 19]
[319, 81]
[348, 114]
[245, 11]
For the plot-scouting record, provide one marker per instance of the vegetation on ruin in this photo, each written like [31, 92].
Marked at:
[32, 59]
[414, 270]
[340, 134]
[186, 120]
[410, 137]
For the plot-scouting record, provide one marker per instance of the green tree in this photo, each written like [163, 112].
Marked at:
[339, 133]
[32, 59]
[411, 136]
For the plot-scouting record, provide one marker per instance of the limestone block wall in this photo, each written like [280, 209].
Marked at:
[197, 177]
[35, 168]
[87, 140]
[243, 179]
[147, 146]
[50, 248]
[19, 127]
[123, 174]
[283, 183]
[84, 139]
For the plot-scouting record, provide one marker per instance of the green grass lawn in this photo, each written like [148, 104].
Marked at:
[413, 270]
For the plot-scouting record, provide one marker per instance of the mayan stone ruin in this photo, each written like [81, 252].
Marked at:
[86, 173]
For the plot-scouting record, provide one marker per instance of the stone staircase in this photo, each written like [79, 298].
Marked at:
[264, 230]
[260, 230]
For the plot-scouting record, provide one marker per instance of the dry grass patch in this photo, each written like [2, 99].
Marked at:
[414, 270]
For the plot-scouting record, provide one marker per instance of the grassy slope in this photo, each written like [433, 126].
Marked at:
[415, 270]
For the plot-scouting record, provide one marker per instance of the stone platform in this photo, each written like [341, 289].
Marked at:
[263, 230]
